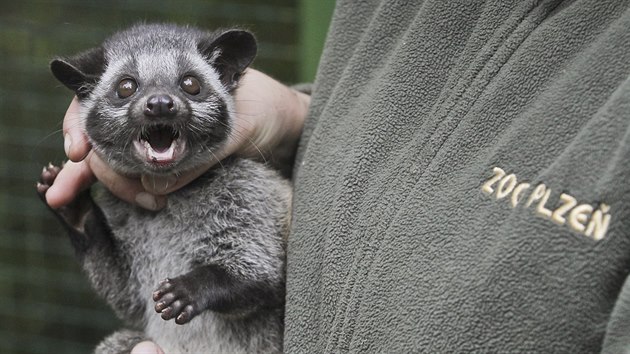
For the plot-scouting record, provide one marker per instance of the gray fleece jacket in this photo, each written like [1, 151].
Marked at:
[462, 184]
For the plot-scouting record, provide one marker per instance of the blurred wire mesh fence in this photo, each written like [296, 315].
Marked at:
[47, 305]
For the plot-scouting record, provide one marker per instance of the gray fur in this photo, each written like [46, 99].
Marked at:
[230, 224]
[198, 226]
[119, 342]
[157, 55]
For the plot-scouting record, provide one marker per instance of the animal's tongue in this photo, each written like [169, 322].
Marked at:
[160, 155]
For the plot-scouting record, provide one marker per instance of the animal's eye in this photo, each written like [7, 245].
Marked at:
[126, 87]
[190, 85]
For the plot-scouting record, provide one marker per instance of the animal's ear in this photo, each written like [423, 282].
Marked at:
[80, 72]
[230, 54]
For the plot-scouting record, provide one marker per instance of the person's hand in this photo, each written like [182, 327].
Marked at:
[269, 116]
[146, 347]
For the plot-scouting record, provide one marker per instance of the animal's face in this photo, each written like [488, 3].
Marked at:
[158, 112]
[162, 110]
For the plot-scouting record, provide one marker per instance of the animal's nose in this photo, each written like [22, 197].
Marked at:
[160, 106]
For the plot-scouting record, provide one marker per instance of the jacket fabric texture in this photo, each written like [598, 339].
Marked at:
[462, 183]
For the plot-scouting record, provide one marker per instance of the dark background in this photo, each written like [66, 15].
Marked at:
[46, 305]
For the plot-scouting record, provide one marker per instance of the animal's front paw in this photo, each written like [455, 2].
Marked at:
[175, 298]
[46, 179]
[72, 215]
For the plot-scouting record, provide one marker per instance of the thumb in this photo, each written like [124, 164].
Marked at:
[75, 144]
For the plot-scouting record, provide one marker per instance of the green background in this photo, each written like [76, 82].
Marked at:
[47, 305]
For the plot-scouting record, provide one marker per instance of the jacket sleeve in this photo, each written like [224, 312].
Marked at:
[617, 337]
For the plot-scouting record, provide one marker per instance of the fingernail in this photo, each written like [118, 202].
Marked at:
[147, 201]
[158, 184]
[67, 143]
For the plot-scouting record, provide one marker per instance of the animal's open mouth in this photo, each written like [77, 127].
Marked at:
[159, 144]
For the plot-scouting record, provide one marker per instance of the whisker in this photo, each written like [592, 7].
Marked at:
[251, 141]
[216, 158]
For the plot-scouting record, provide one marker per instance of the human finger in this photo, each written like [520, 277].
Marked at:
[72, 179]
[75, 143]
[146, 347]
[123, 187]
[162, 185]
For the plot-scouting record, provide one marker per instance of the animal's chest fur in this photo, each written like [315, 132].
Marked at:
[206, 222]
[158, 249]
